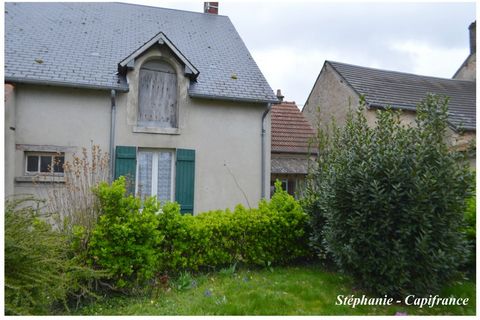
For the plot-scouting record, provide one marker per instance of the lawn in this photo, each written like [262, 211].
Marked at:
[300, 290]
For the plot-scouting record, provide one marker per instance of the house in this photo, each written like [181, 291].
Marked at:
[174, 96]
[339, 86]
[291, 147]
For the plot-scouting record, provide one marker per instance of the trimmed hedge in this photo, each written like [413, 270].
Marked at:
[275, 233]
[133, 243]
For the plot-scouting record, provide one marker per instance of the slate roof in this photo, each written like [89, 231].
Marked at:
[81, 45]
[404, 91]
[291, 132]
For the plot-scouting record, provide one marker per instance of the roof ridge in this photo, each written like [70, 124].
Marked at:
[163, 8]
[393, 71]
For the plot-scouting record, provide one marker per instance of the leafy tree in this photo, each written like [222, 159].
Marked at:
[387, 201]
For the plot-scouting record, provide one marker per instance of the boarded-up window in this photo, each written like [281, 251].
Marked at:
[157, 98]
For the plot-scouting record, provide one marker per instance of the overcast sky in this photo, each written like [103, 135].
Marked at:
[290, 40]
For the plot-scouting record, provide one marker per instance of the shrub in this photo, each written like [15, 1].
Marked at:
[34, 261]
[40, 267]
[470, 232]
[276, 232]
[125, 239]
[133, 243]
[387, 201]
[72, 202]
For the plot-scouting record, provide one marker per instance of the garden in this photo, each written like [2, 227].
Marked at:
[388, 211]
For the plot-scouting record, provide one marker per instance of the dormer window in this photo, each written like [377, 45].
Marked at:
[157, 95]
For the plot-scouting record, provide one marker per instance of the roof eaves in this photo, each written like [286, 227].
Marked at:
[160, 38]
[65, 84]
[456, 128]
[460, 128]
[227, 98]
[395, 107]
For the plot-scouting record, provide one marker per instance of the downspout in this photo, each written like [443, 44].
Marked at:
[112, 135]
[269, 107]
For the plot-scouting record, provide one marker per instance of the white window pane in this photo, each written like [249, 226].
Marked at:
[144, 188]
[164, 182]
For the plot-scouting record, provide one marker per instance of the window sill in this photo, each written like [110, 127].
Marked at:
[40, 179]
[138, 129]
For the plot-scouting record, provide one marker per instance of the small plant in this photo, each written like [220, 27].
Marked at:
[228, 272]
[184, 282]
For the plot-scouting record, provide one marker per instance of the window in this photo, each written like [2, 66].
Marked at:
[155, 174]
[44, 163]
[157, 95]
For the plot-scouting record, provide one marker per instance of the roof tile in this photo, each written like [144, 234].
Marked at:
[82, 43]
[291, 132]
[404, 91]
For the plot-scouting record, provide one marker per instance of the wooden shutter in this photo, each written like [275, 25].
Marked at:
[126, 165]
[157, 99]
[185, 179]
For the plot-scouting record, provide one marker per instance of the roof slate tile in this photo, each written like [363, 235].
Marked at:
[79, 41]
[404, 91]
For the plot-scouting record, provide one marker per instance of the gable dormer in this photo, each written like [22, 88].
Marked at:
[158, 75]
[160, 39]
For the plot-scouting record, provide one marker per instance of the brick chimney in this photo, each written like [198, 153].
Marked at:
[473, 37]
[210, 7]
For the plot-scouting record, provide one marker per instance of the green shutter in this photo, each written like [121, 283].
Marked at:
[126, 165]
[185, 179]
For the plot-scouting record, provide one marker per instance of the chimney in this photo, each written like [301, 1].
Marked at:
[210, 7]
[473, 37]
[279, 95]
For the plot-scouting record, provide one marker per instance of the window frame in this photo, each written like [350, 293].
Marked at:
[154, 174]
[52, 155]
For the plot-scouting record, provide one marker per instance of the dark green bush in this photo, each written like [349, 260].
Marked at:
[386, 202]
[471, 234]
[125, 239]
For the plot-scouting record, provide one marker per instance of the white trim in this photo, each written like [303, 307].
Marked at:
[140, 129]
[43, 154]
[161, 39]
[154, 191]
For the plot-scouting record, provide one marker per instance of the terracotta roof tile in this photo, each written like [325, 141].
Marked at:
[291, 132]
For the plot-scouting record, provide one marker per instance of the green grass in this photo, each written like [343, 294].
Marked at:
[281, 291]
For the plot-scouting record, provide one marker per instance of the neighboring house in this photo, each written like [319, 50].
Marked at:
[292, 146]
[339, 86]
[468, 69]
[175, 96]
